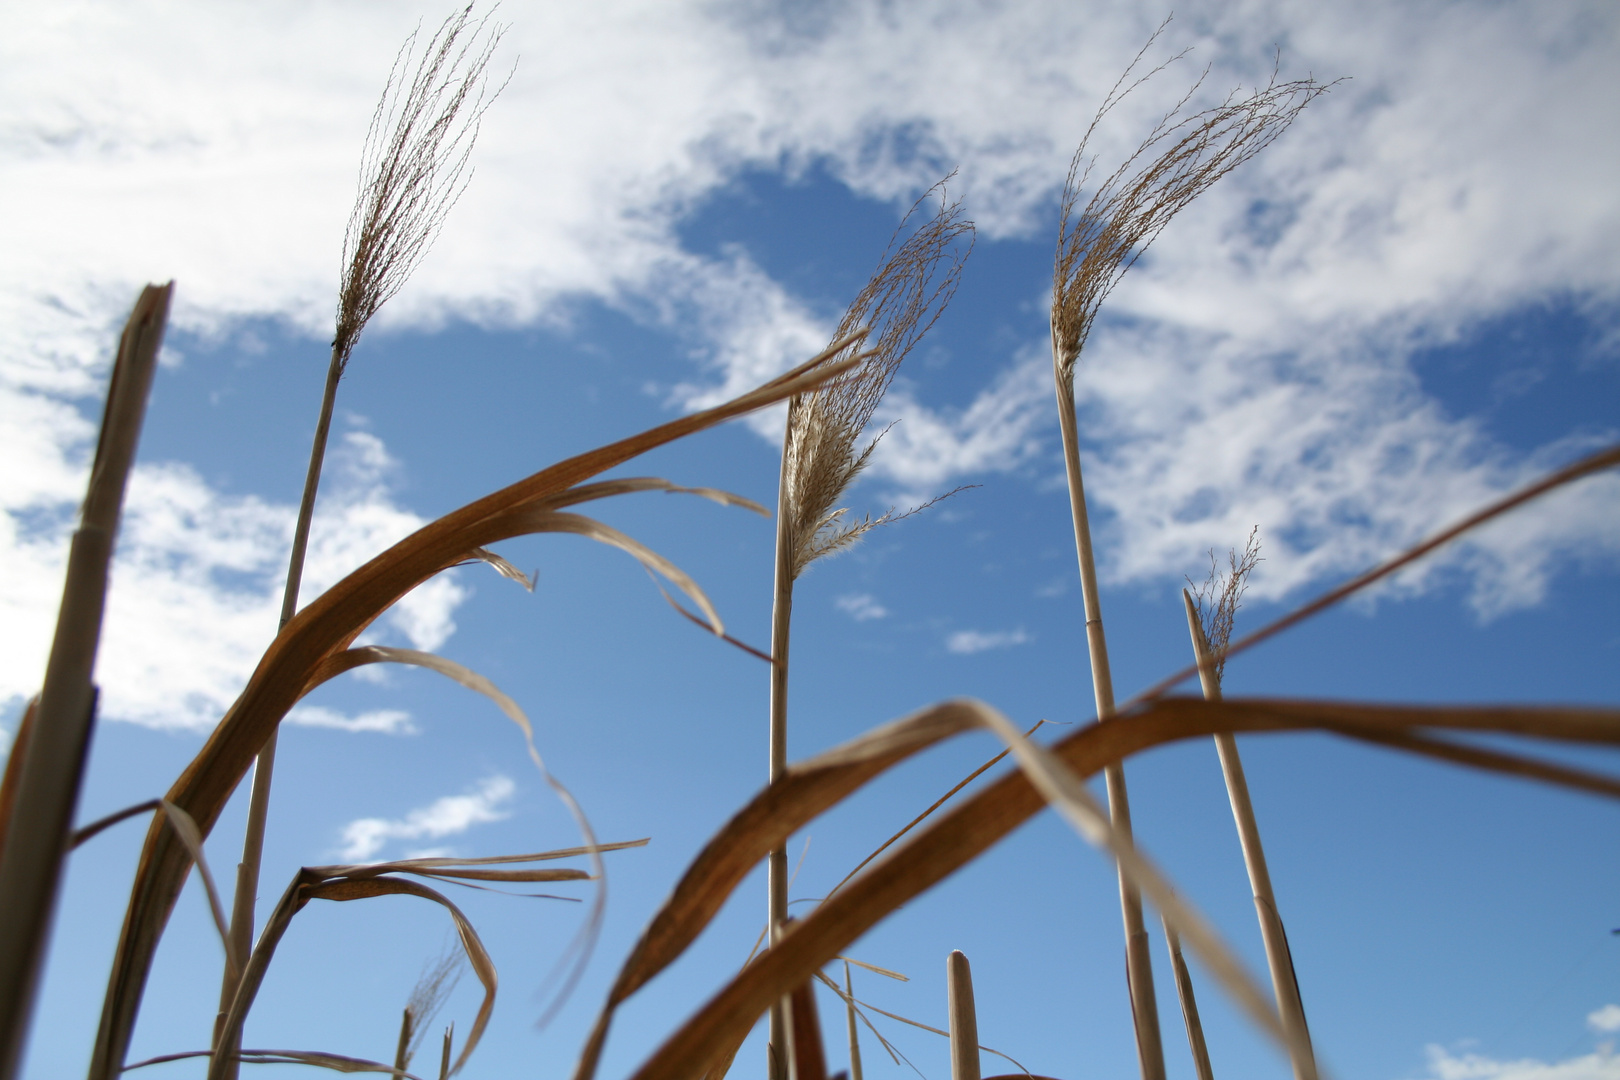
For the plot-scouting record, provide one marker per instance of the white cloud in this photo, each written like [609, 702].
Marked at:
[197, 582]
[383, 721]
[1606, 1019]
[968, 642]
[449, 816]
[1258, 370]
[861, 606]
[1443, 1065]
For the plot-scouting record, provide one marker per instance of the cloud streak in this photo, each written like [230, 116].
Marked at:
[1255, 368]
[452, 815]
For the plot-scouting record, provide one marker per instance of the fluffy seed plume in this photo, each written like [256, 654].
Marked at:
[914, 282]
[414, 165]
[1180, 158]
[1220, 596]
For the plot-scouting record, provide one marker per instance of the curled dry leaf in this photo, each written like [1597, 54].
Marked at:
[960, 835]
[325, 628]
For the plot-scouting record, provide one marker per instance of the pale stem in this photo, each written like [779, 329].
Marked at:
[778, 1052]
[1189, 1006]
[1138, 962]
[264, 767]
[964, 1020]
[1284, 984]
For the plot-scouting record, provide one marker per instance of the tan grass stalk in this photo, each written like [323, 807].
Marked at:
[851, 999]
[963, 833]
[964, 1018]
[413, 168]
[318, 640]
[1189, 1006]
[854, 1028]
[1210, 618]
[47, 766]
[1181, 157]
[821, 459]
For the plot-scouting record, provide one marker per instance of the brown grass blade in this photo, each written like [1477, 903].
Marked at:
[536, 521]
[477, 956]
[440, 863]
[100, 825]
[13, 771]
[809, 1056]
[324, 629]
[961, 835]
[318, 1058]
[186, 830]
[501, 566]
[873, 968]
[309, 885]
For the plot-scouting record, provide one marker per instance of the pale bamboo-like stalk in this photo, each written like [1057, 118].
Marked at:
[777, 1051]
[964, 1018]
[1189, 1005]
[1284, 983]
[821, 459]
[1138, 961]
[51, 768]
[854, 1028]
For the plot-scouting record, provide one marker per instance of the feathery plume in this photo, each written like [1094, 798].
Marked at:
[914, 282]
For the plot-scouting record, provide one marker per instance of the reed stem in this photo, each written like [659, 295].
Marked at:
[964, 1018]
[264, 767]
[854, 1028]
[51, 770]
[1284, 983]
[777, 1049]
[1189, 1006]
[1138, 961]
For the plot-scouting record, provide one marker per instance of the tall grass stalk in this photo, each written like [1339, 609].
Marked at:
[413, 169]
[1189, 1005]
[1180, 158]
[820, 459]
[47, 767]
[1211, 630]
[964, 1017]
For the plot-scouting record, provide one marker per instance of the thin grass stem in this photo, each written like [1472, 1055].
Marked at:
[1280, 963]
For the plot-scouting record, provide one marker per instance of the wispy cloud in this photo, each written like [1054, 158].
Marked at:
[198, 574]
[1443, 1065]
[1606, 1019]
[449, 816]
[861, 606]
[382, 721]
[967, 642]
[1259, 368]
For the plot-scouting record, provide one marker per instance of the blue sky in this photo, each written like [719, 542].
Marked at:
[1406, 306]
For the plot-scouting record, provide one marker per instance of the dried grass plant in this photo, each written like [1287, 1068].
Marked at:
[1181, 157]
[40, 790]
[822, 456]
[1211, 615]
[413, 169]
[833, 398]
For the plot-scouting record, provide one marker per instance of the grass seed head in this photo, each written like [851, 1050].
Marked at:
[414, 165]
[1179, 159]
[916, 279]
